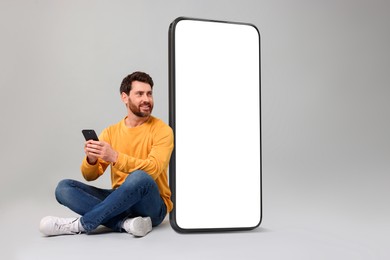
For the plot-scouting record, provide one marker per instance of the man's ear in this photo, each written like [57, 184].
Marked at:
[124, 97]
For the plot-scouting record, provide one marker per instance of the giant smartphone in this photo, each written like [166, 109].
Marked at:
[215, 112]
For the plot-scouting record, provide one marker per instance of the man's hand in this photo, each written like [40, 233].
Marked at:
[99, 149]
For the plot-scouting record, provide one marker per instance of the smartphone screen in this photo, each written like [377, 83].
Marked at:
[90, 134]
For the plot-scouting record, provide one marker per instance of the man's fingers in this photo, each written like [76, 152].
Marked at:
[97, 149]
[93, 150]
[95, 145]
[92, 142]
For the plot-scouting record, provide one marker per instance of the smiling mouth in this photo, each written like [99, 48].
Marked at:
[145, 107]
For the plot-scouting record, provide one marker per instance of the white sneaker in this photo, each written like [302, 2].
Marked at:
[138, 226]
[54, 226]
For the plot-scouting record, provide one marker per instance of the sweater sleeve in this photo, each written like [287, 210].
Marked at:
[157, 160]
[91, 172]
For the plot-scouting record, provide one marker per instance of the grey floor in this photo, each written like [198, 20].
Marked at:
[284, 234]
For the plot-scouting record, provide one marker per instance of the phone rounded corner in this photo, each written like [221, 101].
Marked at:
[258, 223]
[175, 226]
[254, 27]
[176, 21]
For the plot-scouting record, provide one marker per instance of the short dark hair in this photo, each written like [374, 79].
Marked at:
[135, 76]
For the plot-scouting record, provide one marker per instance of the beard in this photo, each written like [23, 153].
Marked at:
[137, 110]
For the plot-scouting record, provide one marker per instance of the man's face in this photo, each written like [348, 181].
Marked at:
[140, 99]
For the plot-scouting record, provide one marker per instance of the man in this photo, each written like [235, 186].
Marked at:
[138, 149]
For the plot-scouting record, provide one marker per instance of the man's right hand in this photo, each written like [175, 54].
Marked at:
[92, 159]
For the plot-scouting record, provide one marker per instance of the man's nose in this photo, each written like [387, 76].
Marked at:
[145, 98]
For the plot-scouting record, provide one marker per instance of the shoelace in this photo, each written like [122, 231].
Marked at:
[67, 227]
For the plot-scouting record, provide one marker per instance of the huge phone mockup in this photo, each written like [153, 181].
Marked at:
[215, 112]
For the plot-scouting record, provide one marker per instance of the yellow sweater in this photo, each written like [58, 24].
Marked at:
[147, 147]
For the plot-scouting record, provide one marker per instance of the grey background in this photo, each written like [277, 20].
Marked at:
[325, 91]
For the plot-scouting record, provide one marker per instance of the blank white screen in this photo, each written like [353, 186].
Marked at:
[217, 85]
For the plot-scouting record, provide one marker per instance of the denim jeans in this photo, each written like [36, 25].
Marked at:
[137, 196]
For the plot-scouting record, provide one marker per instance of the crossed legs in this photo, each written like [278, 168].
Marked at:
[138, 196]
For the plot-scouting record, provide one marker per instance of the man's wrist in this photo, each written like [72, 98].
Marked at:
[91, 162]
[115, 157]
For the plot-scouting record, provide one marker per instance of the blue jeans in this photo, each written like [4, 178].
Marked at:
[137, 196]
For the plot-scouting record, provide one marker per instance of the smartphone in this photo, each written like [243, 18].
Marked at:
[90, 134]
[222, 52]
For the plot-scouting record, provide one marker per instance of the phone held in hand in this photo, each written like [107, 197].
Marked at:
[90, 134]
